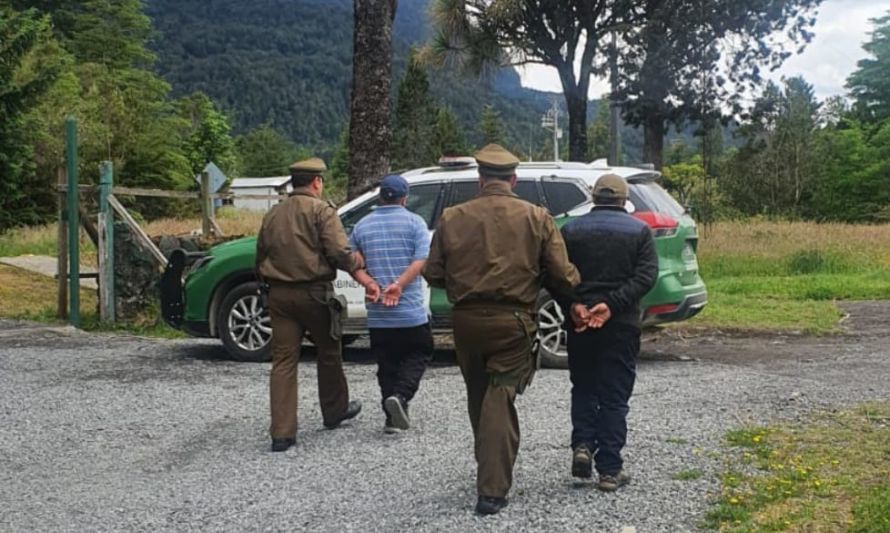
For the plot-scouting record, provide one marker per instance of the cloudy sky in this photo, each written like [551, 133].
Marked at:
[841, 28]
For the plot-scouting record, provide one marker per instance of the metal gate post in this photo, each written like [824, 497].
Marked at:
[73, 221]
[106, 244]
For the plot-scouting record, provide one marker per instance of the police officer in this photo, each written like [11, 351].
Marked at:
[615, 254]
[491, 255]
[300, 247]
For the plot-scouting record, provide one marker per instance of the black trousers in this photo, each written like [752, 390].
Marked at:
[402, 357]
[602, 366]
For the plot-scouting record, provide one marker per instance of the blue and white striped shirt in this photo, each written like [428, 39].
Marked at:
[391, 238]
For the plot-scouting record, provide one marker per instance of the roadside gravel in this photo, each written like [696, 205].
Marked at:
[109, 433]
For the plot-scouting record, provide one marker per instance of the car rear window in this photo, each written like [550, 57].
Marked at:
[650, 196]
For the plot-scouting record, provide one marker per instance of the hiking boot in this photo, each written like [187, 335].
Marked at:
[613, 482]
[581, 463]
[395, 407]
[352, 410]
[281, 445]
[488, 505]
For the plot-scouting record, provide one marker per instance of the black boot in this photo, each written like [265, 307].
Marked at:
[280, 445]
[488, 505]
[352, 410]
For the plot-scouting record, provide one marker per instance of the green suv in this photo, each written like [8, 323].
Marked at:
[215, 294]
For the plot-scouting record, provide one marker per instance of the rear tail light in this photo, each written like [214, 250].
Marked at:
[662, 225]
[662, 309]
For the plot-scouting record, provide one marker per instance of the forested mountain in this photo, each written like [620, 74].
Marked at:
[288, 63]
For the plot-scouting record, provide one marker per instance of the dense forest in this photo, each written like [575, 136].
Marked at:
[162, 87]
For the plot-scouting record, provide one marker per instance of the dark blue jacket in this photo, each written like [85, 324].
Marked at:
[615, 254]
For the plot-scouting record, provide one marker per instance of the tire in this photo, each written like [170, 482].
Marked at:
[245, 328]
[551, 333]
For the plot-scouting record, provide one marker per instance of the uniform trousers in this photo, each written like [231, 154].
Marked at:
[602, 367]
[295, 311]
[494, 353]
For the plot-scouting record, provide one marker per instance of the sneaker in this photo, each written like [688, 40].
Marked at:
[581, 463]
[613, 482]
[390, 429]
[352, 411]
[281, 445]
[395, 408]
[488, 505]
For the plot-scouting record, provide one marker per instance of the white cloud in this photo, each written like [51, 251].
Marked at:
[841, 28]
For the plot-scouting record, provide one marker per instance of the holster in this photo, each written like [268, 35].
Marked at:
[337, 306]
[534, 363]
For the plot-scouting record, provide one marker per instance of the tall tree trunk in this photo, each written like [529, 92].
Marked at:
[653, 141]
[576, 102]
[370, 133]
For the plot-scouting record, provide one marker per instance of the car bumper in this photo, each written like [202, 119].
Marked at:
[688, 308]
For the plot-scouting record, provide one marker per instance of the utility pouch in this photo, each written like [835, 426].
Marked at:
[263, 291]
[337, 305]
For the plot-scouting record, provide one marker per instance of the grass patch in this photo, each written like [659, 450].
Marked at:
[676, 440]
[761, 313]
[28, 296]
[688, 475]
[808, 477]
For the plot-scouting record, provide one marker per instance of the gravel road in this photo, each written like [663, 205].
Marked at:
[112, 433]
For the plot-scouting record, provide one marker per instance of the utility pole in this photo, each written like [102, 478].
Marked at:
[614, 106]
[550, 121]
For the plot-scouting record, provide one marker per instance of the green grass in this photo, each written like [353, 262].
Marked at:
[676, 440]
[28, 296]
[807, 477]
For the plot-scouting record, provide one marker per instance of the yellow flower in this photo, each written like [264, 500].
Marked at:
[734, 501]
[757, 438]
[817, 483]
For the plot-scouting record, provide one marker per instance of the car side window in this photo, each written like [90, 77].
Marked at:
[528, 190]
[562, 196]
[423, 199]
[461, 191]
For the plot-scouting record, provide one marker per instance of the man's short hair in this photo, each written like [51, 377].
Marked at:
[302, 179]
[619, 201]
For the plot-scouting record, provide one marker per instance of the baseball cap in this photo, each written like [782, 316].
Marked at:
[393, 187]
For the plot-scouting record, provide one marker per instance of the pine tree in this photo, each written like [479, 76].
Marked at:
[415, 117]
[491, 126]
[870, 83]
[449, 140]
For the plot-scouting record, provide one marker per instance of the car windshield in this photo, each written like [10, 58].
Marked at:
[650, 196]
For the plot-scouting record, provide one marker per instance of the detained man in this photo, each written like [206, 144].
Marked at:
[395, 244]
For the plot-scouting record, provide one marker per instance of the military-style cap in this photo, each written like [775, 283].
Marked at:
[610, 186]
[495, 160]
[312, 166]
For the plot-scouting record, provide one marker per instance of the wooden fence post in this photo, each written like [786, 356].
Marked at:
[73, 222]
[106, 244]
[62, 248]
[206, 205]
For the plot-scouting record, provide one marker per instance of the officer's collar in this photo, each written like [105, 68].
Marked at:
[497, 187]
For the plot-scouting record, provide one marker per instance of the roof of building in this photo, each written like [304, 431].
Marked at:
[254, 183]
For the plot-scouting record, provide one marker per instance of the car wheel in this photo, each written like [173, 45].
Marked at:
[551, 334]
[245, 326]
